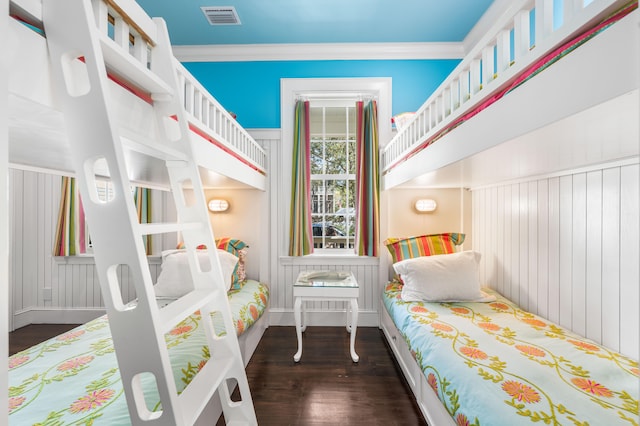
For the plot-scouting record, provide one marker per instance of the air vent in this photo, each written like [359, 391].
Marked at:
[221, 15]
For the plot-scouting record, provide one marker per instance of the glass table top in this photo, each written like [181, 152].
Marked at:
[326, 279]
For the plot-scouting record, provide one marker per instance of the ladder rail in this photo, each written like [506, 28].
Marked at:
[75, 39]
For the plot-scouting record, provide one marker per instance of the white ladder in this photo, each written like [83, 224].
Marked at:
[87, 39]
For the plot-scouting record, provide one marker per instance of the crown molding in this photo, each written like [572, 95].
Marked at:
[315, 52]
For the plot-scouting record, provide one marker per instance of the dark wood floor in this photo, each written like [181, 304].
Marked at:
[324, 388]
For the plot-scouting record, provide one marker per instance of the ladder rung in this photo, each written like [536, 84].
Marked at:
[126, 66]
[166, 228]
[153, 148]
[178, 310]
[198, 393]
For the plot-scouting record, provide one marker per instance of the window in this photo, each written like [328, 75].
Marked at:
[333, 167]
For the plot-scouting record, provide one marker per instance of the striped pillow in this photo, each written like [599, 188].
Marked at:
[239, 249]
[424, 245]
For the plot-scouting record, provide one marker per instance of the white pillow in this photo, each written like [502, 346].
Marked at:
[442, 278]
[175, 276]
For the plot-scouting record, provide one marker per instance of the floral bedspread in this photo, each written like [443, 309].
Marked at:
[73, 379]
[495, 364]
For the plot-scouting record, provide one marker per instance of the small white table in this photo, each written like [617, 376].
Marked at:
[316, 286]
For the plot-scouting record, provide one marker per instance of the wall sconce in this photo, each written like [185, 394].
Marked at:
[218, 205]
[425, 205]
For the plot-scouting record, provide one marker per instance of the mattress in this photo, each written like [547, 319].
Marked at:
[73, 378]
[496, 364]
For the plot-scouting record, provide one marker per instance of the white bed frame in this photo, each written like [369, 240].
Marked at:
[37, 140]
[598, 82]
[598, 75]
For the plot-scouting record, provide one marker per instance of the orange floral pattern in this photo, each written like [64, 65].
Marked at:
[73, 378]
[521, 392]
[592, 387]
[543, 374]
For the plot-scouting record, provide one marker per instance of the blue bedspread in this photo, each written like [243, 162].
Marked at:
[495, 364]
[73, 379]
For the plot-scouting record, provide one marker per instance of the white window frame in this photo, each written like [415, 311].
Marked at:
[292, 89]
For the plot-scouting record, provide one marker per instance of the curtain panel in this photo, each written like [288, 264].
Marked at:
[70, 230]
[71, 238]
[368, 180]
[300, 233]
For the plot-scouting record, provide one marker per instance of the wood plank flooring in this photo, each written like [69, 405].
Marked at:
[324, 388]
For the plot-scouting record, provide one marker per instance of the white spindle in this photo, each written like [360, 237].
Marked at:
[464, 86]
[488, 56]
[474, 76]
[121, 32]
[521, 33]
[455, 94]
[503, 48]
[544, 19]
[571, 8]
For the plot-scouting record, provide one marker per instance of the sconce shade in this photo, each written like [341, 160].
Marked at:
[425, 205]
[218, 205]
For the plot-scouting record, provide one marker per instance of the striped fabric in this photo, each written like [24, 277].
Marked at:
[368, 180]
[300, 234]
[70, 231]
[142, 199]
[423, 245]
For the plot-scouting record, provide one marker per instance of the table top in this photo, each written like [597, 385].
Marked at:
[326, 279]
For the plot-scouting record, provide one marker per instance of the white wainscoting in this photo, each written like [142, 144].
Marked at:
[567, 248]
[44, 288]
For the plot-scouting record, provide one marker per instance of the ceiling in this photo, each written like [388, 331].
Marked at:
[320, 21]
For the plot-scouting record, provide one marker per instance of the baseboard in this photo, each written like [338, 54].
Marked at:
[55, 316]
[281, 317]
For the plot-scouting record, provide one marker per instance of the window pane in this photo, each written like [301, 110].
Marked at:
[317, 156]
[336, 157]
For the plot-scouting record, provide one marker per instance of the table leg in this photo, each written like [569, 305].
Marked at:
[296, 313]
[354, 326]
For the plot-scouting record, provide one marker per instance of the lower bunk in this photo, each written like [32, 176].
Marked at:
[73, 378]
[491, 363]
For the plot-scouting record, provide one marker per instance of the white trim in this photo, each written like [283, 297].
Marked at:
[317, 52]
[264, 134]
[586, 169]
[55, 316]
[322, 259]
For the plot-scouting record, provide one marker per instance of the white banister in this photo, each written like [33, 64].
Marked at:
[496, 59]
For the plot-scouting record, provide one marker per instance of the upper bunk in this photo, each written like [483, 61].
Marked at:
[227, 155]
[547, 89]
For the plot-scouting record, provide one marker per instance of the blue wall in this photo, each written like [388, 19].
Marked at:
[252, 89]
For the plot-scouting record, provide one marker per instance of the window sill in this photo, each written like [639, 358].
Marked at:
[329, 258]
[88, 259]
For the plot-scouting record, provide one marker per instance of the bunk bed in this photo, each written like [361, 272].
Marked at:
[170, 133]
[492, 123]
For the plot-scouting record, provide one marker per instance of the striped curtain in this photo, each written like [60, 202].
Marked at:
[70, 239]
[367, 180]
[300, 234]
[142, 199]
[70, 231]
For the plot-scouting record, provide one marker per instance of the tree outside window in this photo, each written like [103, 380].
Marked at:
[333, 174]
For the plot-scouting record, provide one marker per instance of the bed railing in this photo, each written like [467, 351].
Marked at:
[525, 33]
[136, 35]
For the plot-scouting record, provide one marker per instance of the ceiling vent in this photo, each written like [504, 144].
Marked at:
[221, 15]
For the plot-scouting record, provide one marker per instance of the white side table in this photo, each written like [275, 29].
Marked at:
[314, 286]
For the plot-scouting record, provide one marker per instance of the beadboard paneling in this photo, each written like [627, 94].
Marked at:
[34, 273]
[567, 248]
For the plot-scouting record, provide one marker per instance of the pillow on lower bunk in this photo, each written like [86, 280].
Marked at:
[445, 278]
[237, 248]
[175, 279]
[423, 245]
